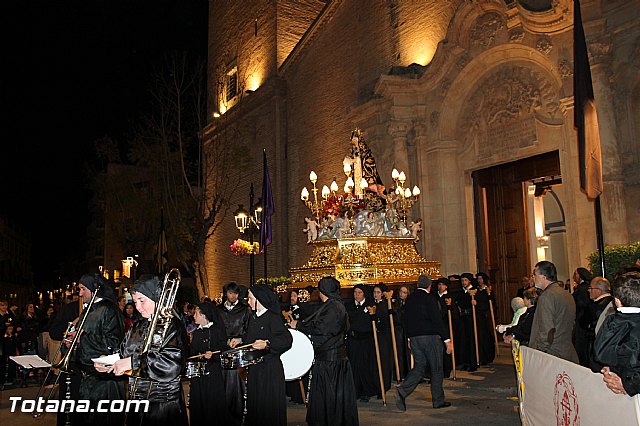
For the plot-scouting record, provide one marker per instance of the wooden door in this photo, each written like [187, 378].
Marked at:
[501, 224]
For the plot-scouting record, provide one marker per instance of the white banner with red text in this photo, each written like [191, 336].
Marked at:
[557, 392]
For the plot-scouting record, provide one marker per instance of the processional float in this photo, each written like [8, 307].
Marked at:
[362, 235]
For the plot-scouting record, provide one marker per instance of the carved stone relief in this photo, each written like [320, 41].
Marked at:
[544, 45]
[434, 119]
[565, 69]
[516, 35]
[483, 32]
[599, 50]
[500, 114]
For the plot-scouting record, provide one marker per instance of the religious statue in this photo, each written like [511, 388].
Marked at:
[312, 229]
[363, 165]
[373, 225]
[415, 228]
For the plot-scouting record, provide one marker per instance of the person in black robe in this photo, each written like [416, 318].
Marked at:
[235, 314]
[207, 393]
[383, 325]
[486, 338]
[360, 344]
[581, 330]
[447, 303]
[69, 381]
[295, 311]
[266, 396]
[102, 333]
[404, 355]
[155, 374]
[332, 399]
[467, 345]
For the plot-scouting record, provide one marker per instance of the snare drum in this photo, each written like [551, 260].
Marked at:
[237, 358]
[195, 369]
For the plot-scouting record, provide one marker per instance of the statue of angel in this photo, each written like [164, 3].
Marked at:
[415, 228]
[312, 229]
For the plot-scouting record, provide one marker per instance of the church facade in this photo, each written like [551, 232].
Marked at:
[472, 100]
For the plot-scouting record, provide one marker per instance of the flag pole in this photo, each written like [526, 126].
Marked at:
[599, 233]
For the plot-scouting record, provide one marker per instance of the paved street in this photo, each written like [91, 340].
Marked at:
[485, 397]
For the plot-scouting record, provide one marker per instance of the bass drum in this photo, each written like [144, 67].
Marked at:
[297, 360]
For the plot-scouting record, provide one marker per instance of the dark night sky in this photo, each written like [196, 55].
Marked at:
[76, 71]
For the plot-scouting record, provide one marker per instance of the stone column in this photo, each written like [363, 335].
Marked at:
[444, 202]
[614, 214]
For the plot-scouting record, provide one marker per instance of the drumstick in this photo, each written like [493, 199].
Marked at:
[244, 346]
[204, 354]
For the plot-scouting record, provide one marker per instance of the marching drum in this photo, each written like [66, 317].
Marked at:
[195, 369]
[237, 358]
[297, 360]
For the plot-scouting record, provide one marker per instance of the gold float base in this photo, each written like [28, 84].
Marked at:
[364, 260]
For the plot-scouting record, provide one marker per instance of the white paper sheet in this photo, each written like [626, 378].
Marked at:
[106, 360]
[30, 361]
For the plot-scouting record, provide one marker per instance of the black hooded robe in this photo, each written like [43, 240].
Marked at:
[486, 339]
[160, 368]
[266, 395]
[362, 351]
[207, 400]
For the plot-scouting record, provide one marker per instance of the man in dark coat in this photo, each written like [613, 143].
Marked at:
[266, 394]
[426, 333]
[360, 344]
[486, 337]
[332, 399]
[102, 332]
[600, 294]
[235, 315]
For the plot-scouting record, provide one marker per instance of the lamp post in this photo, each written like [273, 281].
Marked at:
[249, 222]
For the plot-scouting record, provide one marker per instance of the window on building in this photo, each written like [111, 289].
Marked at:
[231, 89]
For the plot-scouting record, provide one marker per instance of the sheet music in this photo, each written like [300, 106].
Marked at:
[106, 360]
[30, 361]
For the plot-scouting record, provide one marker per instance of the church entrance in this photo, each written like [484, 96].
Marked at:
[511, 231]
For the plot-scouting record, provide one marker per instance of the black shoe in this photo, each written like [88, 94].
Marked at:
[364, 399]
[465, 367]
[472, 368]
[444, 405]
[400, 403]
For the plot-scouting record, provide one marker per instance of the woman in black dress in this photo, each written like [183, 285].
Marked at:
[266, 396]
[158, 371]
[207, 394]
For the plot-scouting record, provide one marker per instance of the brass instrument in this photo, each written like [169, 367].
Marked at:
[63, 364]
[161, 317]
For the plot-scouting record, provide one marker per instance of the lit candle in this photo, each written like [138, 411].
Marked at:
[325, 191]
[364, 184]
[395, 174]
[304, 195]
[402, 177]
[313, 177]
[334, 186]
[416, 191]
[350, 182]
[407, 193]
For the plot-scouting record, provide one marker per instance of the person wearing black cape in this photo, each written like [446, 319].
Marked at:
[102, 332]
[360, 344]
[332, 399]
[157, 371]
[235, 314]
[383, 325]
[207, 393]
[266, 396]
[486, 339]
[467, 345]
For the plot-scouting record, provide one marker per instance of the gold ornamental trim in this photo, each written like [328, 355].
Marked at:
[364, 260]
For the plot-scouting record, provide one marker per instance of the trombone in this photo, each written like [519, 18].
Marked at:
[63, 364]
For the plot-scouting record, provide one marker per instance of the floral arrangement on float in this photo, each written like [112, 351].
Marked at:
[241, 247]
